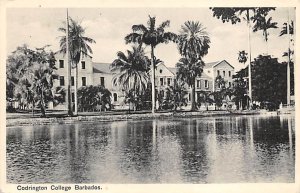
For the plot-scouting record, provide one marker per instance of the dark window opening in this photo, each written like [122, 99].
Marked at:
[83, 81]
[169, 81]
[62, 81]
[83, 64]
[102, 81]
[206, 84]
[72, 81]
[73, 97]
[61, 64]
[198, 83]
[115, 97]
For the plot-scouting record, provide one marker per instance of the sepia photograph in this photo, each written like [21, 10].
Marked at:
[149, 95]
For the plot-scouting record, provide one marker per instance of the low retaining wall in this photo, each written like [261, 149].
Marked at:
[99, 118]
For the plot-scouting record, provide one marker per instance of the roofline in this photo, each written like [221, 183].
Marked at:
[58, 52]
[162, 63]
[222, 61]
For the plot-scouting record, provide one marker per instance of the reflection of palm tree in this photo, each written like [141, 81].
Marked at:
[78, 45]
[132, 70]
[151, 36]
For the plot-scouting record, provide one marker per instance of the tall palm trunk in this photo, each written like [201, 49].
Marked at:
[69, 101]
[193, 108]
[153, 79]
[288, 64]
[75, 90]
[43, 110]
[249, 68]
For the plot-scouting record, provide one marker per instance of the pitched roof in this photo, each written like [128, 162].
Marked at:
[214, 64]
[101, 67]
[211, 64]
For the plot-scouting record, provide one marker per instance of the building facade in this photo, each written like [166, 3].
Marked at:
[205, 83]
[93, 73]
[85, 76]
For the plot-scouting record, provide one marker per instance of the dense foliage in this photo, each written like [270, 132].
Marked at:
[30, 75]
[269, 80]
[94, 98]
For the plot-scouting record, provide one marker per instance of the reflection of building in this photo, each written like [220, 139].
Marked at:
[91, 73]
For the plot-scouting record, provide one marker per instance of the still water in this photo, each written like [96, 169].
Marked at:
[183, 150]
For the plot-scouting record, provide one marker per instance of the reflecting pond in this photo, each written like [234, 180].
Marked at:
[231, 149]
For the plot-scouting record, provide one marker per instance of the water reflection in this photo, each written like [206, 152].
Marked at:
[207, 150]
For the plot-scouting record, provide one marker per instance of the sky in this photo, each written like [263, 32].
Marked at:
[37, 27]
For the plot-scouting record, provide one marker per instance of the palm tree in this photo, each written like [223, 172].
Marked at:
[187, 71]
[151, 36]
[243, 57]
[177, 95]
[204, 97]
[193, 44]
[263, 24]
[193, 40]
[220, 82]
[78, 46]
[132, 70]
[284, 29]
[288, 29]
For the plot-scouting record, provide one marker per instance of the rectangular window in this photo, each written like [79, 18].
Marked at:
[73, 97]
[206, 83]
[198, 83]
[223, 73]
[61, 64]
[218, 72]
[161, 81]
[115, 97]
[82, 64]
[229, 83]
[83, 81]
[62, 80]
[102, 83]
[72, 81]
[169, 81]
[229, 73]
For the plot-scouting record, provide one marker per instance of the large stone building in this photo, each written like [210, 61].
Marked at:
[206, 82]
[91, 73]
[85, 74]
